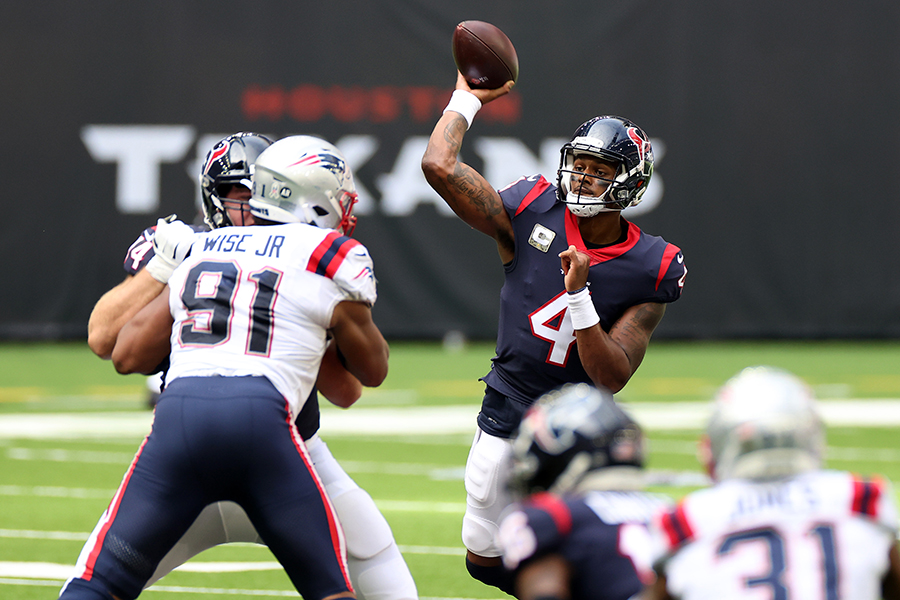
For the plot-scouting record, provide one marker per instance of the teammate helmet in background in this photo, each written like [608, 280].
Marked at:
[229, 162]
[614, 139]
[576, 437]
[304, 179]
[764, 425]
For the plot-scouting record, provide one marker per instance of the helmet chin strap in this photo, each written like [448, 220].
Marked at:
[590, 209]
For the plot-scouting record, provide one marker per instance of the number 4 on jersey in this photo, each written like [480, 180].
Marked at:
[552, 324]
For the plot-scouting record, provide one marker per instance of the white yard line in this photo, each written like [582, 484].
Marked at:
[429, 420]
[193, 590]
[199, 566]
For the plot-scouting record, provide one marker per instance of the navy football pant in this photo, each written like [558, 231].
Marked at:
[216, 438]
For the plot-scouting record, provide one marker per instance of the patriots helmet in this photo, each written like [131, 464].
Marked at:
[304, 179]
[228, 163]
[764, 425]
[612, 139]
[574, 438]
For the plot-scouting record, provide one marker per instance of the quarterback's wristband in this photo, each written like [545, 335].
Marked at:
[466, 104]
[581, 309]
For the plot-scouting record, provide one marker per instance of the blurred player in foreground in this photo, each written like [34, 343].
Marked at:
[581, 532]
[377, 567]
[584, 288]
[250, 310]
[776, 524]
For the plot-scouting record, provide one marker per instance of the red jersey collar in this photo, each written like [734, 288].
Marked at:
[599, 255]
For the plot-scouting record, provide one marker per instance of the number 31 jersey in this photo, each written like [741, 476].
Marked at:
[822, 534]
[258, 301]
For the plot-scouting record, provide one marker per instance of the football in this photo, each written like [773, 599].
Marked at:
[484, 55]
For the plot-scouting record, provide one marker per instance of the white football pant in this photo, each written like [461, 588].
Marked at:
[486, 493]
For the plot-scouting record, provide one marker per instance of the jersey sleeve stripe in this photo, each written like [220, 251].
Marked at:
[329, 254]
[539, 188]
[557, 510]
[676, 526]
[318, 255]
[668, 256]
[865, 497]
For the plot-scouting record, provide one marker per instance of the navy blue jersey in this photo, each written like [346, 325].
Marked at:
[139, 254]
[536, 349]
[603, 536]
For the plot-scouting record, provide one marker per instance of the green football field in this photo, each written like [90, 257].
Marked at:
[69, 426]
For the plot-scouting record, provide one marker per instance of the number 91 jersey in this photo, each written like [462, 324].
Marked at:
[258, 301]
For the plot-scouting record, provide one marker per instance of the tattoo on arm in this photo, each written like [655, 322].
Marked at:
[454, 132]
[634, 333]
[466, 181]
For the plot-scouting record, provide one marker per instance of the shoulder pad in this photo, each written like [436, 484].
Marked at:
[346, 262]
[521, 193]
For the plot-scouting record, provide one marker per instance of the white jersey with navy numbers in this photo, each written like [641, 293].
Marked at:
[820, 535]
[258, 301]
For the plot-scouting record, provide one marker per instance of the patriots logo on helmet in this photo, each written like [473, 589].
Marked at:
[333, 163]
[329, 161]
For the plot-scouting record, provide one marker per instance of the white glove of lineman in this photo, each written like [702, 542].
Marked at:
[171, 244]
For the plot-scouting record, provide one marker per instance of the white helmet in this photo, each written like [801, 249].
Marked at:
[304, 179]
[764, 425]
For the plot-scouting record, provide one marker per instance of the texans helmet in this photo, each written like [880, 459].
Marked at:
[228, 163]
[304, 179]
[574, 438]
[764, 425]
[612, 139]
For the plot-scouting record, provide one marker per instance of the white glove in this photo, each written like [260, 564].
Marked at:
[171, 245]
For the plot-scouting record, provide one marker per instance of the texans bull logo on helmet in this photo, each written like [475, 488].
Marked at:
[218, 151]
[642, 144]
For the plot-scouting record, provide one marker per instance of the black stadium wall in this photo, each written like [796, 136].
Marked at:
[775, 124]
